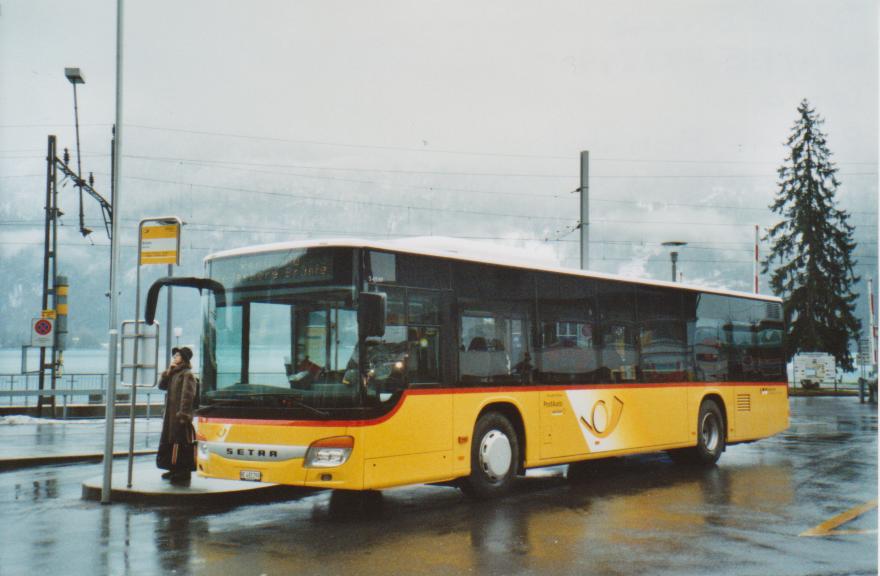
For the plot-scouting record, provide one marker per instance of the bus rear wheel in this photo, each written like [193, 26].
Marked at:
[711, 439]
[494, 457]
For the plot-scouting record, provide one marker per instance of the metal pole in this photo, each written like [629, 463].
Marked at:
[114, 260]
[79, 180]
[168, 319]
[47, 253]
[674, 257]
[54, 277]
[873, 334]
[134, 376]
[585, 210]
[756, 258]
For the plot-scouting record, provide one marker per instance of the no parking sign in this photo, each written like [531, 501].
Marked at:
[42, 332]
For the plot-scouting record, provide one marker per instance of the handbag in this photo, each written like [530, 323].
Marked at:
[181, 454]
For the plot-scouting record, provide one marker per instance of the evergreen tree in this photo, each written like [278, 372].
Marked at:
[813, 246]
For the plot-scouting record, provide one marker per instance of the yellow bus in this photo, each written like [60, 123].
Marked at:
[363, 365]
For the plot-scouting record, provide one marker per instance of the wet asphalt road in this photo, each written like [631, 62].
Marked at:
[637, 515]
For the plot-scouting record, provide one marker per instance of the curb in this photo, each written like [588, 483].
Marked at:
[148, 489]
[7, 464]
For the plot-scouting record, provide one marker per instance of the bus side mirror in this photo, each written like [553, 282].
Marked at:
[371, 314]
[189, 282]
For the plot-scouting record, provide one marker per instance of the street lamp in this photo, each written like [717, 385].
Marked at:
[674, 254]
[75, 76]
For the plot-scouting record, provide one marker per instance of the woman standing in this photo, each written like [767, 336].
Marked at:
[177, 443]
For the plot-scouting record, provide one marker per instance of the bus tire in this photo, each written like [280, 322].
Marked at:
[494, 457]
[711, 439]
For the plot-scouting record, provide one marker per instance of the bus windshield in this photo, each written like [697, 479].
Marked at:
[283, 352]
[283, 343]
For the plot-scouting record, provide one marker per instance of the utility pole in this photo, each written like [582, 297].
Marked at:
[756, 259]
[584, 223]
[50, 264]
[54, 165]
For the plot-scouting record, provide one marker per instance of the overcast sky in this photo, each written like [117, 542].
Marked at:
[273, 120]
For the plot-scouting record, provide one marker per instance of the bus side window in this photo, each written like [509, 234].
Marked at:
[619, 348]
[493, 349]
[409, 352]
[710, 346]
[566, 348]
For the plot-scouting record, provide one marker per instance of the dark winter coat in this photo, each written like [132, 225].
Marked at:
[180, 392]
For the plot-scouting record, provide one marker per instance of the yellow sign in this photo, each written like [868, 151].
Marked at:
[47, 314]
[160, 244]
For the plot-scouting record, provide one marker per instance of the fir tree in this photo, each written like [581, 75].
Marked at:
[813, 246]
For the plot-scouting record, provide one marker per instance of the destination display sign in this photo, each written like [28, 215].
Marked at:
[274, 268]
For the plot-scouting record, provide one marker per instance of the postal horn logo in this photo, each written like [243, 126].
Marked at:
[600, 423]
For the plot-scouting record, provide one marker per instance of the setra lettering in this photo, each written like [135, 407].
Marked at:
[259, 453]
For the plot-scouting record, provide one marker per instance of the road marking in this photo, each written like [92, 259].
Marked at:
[827, 528]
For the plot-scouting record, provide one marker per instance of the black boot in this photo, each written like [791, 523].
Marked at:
[181, 478]
[167, 475]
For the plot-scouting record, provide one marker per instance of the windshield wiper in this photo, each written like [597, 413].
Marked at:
[276, 399]
[300, 404]
[222, 403]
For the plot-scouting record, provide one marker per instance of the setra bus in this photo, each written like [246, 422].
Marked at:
[363, 365]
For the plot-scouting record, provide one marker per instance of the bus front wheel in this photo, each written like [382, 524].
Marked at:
[710, 437]
[494, 457]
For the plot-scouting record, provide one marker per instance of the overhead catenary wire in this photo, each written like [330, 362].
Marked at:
[426, 149]
[195, 226]
[468, 190]
[230, 162]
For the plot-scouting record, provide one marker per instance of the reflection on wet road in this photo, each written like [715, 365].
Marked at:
[624, 516]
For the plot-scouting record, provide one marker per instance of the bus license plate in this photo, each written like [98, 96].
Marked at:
[251, 475]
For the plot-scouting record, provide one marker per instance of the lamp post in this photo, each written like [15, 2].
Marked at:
[673, 256]
[75, 76]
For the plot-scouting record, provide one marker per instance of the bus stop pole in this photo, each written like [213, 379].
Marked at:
[168, 318]
[136, 362]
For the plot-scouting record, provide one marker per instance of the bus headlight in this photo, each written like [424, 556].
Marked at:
[329, 452]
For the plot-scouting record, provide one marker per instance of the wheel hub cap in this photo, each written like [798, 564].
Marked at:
[495, 454]
[711, 432]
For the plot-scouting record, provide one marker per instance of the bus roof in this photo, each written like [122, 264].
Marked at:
[469, 251]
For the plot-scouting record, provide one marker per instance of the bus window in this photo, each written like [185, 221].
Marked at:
[423, 307]
[567, 348]
[710, 344]
[423, 322]
[269, 343]
[325, 353]
[662, 336]
[619, 345]
[228, 351]
[489, 344]
[395, 307]
[409, 352]
[423, 354]
[741, 331]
